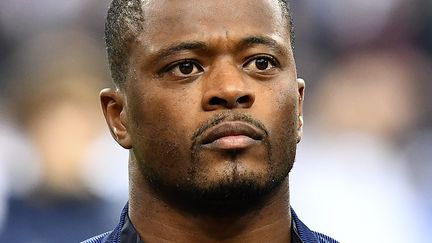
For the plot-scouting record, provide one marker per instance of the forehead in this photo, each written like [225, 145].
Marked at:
[176, 20]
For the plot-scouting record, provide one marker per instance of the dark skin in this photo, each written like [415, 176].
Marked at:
[213, 101]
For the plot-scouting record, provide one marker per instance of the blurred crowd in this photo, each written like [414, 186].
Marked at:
[363, 169]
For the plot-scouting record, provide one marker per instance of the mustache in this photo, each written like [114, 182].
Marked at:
[227, 117]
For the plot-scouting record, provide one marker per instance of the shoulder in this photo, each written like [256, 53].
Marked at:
[307, 235]
[102, 238]
[324, 238]
[111, 236]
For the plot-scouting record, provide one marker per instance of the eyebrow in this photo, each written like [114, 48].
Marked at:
[181, 46]
[261, 40]
[202, 46]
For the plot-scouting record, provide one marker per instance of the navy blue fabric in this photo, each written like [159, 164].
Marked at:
[306, 235]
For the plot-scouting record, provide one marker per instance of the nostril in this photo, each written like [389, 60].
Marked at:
[217, 101]
[244, 99]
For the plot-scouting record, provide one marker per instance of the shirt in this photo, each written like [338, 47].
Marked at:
[128, 233]
[301, 233]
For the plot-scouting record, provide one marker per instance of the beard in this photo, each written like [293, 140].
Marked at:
[239, 190]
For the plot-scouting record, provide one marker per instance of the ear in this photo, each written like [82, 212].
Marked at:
[301, 90]
[114, 109]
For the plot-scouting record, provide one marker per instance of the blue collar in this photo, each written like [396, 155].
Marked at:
[126, 233]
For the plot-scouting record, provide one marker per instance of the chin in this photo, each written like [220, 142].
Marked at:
[236, 190]
[232, 195]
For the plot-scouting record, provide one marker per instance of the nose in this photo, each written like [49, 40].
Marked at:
[226, 88]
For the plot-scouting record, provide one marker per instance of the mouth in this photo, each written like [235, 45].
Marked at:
[232, 135]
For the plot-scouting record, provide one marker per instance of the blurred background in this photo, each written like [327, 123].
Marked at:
[363, 170]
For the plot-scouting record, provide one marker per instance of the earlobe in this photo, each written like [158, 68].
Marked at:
[301, 90]
[114, 109]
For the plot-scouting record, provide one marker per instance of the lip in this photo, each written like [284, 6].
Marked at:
[232, 135]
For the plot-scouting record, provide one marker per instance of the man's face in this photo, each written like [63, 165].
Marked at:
[213, 104]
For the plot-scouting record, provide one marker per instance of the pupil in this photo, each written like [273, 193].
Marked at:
[261, 64]
[186, 68]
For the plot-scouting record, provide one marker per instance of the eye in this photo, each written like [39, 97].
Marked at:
[261, 64]
[184, 68]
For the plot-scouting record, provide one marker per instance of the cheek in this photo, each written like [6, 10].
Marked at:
[281, 110]
[280, 105]
[160, 127]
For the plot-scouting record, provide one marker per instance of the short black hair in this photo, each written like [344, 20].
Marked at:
[124, 23]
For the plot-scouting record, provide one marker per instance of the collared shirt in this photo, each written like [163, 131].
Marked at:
[129, 234]
[124, 232]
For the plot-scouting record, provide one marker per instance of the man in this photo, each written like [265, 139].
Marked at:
[208, 102]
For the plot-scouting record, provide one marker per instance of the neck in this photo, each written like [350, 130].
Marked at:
[158, 221]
